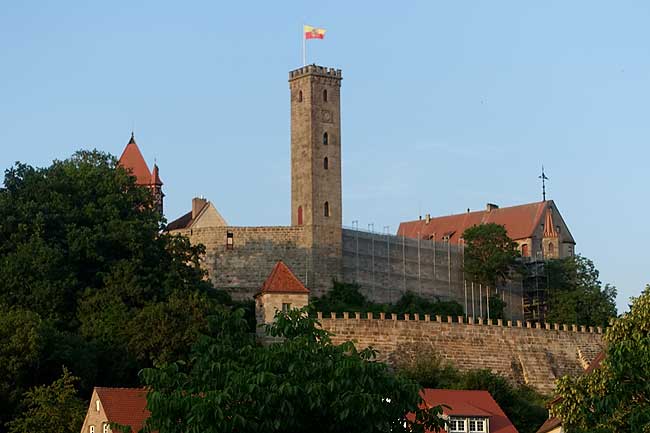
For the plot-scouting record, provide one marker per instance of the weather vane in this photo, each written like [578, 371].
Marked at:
[544, 179]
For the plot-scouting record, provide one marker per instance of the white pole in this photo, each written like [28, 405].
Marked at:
[304, 48]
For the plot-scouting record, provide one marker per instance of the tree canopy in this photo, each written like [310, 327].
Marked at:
[301, 382]
[615, 396]
[88, 281]
[490, 255]
[576, 295]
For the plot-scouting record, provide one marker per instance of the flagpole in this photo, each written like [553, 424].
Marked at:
[304, 49]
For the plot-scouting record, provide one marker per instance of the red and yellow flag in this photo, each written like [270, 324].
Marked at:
[313, 32]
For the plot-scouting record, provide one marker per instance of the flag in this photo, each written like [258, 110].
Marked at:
[313, 32]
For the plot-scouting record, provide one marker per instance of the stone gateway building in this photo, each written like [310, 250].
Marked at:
[318, 248]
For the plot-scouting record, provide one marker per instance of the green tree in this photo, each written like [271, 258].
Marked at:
[52, 408]
[576, 295]
[302, 382]
[88, 279]
[523, 405]
[490, 255]
[614, 397]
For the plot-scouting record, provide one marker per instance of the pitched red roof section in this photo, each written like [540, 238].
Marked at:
[155, 177]
[520, 222]
[125, 406]
[133, 161]
[181, 222]
[467, 403]
[282, 280]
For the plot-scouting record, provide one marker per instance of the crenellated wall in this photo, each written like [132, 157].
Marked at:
[522, 353]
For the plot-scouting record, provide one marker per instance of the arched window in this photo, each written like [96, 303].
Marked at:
[325, 139]
[325, 95]
[551, 249]
[299, 215]
[326, 209]
[326, 163]
[300, 96]
[524, 250]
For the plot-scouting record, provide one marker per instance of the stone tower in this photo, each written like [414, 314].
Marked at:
[316, 165]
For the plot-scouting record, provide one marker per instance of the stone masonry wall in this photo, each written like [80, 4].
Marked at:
[387, 266]
[242, 269]
[521, 353]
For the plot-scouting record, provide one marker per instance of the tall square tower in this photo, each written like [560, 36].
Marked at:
[316, 155]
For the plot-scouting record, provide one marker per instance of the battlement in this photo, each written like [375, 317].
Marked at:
[314, 69]
[460, 320]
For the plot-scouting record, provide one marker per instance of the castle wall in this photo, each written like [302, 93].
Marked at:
[387, 266]
[242, 269]
[520, 353]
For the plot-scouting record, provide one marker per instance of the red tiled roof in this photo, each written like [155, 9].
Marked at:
[181, 222]
[133, 161]
[125, 406]
[549, 424]
[520, 222]
[155, 176]
[282, 280]
[470, 403]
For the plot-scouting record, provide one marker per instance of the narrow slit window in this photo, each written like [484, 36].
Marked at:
[326, 163]
[325, 95]
[230, 240]
[300, 96]
[299, 215]
[326, 209]
[325, 139]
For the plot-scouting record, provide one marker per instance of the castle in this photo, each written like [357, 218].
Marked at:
[425, 257]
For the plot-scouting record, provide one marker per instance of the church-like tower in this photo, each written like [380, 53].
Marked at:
[316, 155]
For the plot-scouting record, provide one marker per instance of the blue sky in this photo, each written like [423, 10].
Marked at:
[445, 105]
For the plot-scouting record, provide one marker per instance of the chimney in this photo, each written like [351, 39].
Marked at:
[491, 206]
[197, 204]
[427, 218]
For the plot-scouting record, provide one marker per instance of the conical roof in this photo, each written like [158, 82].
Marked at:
[282, 280]
[155, 177]
[133, 161]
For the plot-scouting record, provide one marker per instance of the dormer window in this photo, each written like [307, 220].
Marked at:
[467, 425]
[457, 425]
[477, 425]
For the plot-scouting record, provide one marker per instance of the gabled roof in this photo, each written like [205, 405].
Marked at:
[282, 280]
[186, 221]
[125, 406]
[468, 403]
[520, 221]
[133, 161]
[182, 222]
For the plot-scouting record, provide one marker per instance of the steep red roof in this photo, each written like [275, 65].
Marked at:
[470, 403]
[549, 425]
[520, 222]
[133, 161]
[155, 176]
[125, 406]
[282, 280]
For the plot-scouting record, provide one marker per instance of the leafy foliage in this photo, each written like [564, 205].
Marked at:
[347, 297]
[88, 280]
[51, 408]
[301, 382]
[490, 255]
[523, 405]
[575, 294]
[615, 396]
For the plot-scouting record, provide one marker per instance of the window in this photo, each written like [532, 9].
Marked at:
[477, 425]
[325, 139]
[230, 241]
[325, 95]
[91, 429]
[300, 96]
[551, 249]
[97, 405]
[299, 215]
[524, 250]
[456, 425]
[326, 163]
[286, 307]
[105, 428]
[326, 209]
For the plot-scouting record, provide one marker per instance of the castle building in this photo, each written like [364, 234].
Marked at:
[538, 228]
[133, 161]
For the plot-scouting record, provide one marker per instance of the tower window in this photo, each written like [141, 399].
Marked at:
[325, 139]
[230, 240]
[326, 209]
[325, 95]
[300, 96]
[326, 163]
[551, 249]
[299, 215]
